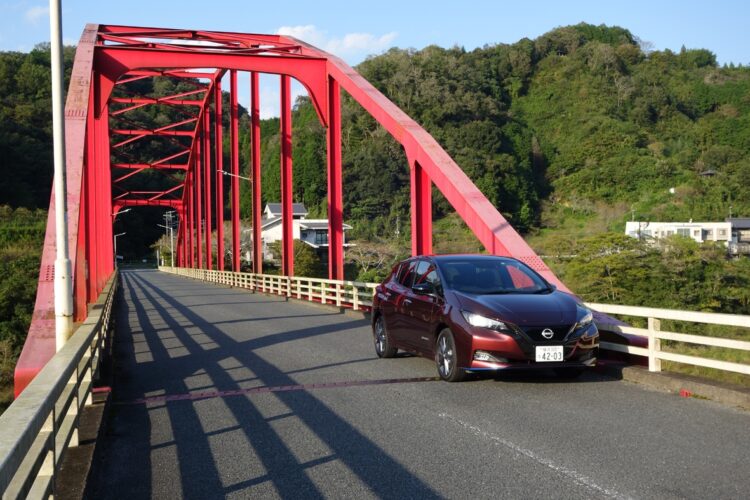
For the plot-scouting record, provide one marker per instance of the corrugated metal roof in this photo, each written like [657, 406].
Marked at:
[317, 224]
[297, 208]
[739, 222]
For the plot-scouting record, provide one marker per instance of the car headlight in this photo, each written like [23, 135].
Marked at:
[484, 322]
[585, 317]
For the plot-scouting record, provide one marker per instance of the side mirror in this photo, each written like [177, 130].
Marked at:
[423, 288]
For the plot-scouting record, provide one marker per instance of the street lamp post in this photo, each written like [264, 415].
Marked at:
[115, 245]
[63, 284]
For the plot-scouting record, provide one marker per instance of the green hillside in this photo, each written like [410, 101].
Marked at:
[562, 125]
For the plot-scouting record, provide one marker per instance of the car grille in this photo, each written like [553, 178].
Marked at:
[535, 333]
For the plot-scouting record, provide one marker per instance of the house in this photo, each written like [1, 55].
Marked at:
[698, 231]
[740, 242]
[313, 232]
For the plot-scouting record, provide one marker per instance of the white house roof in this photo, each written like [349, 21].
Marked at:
[303, 223]
[270, 222]
[317, 224]
[297, 208]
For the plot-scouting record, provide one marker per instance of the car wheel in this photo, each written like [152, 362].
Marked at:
[383, 347]
[446, 358]
[569, 373]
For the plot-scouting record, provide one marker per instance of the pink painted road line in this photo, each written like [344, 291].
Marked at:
[279, 388]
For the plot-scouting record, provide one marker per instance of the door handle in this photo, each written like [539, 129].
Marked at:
[407, 302]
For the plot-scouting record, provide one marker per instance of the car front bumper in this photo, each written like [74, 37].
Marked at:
[518, 351]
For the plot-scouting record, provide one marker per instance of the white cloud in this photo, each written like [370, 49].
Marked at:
[270, 96]
[35, 14]
[352, 46]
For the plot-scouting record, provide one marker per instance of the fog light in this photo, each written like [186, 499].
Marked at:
[483, 356]
[486, 356]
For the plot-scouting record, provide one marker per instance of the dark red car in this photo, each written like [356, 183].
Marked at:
[476, 313]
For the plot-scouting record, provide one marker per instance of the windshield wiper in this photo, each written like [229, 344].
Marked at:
[544, 290]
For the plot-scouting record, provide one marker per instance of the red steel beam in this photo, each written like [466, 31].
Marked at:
[287, 193]
[235, 170]
[155, 166]
[255, 169]
[190, 216]
[131, 202]
[219, 149]
[198, 200]
[335, 196]
[207, 182]
[421, 210]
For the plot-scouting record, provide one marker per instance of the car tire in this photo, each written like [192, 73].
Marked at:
[569, 373]
[446, 358]
[383, 347]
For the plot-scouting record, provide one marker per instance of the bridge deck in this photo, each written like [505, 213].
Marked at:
[517, 436]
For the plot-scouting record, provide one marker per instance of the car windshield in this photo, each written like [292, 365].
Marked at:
[482, 276]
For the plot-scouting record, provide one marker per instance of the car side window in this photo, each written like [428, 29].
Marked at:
[408, 271]
[398, 271]
[422, 267]
[432, 277]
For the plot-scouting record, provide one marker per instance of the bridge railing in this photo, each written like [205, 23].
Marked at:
[40, 425]
[654, 334]
[358, 295]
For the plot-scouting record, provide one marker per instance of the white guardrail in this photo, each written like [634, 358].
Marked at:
[40, 425]
[655, 335]
[354, 294]
[358, 295]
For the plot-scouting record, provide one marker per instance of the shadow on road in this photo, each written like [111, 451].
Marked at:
[177, 434]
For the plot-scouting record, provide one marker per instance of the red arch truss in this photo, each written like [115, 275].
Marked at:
[105, 166]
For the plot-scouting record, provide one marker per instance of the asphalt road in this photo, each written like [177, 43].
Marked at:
[220, 392]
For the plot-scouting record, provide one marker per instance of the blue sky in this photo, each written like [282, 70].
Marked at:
[353, 31]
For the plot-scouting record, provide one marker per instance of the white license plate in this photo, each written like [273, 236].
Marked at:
[549, 353]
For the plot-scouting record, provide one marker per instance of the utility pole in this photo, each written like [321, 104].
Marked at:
[63, 285]
[169, 233]
[115, 245]
[171, 238]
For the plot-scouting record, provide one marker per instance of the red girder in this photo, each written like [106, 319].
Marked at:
[124, 203]
[156, 166]
[134, 76]
[184, 133]
[113, 56]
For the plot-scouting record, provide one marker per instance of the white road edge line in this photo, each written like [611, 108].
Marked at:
[575, 476]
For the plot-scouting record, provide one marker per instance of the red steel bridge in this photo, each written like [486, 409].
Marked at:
[219, 391]
[105, 165]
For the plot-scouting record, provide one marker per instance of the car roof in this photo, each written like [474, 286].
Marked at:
[472, 256]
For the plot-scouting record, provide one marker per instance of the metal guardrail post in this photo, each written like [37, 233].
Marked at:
[654, 345]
